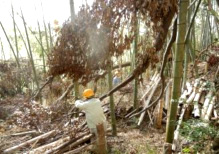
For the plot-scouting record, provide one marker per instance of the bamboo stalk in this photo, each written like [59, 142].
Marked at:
[12, 49]
[30, 51]
[2, 49]
[19, 146]
[15, 32]
[44, 148]
[42, 48]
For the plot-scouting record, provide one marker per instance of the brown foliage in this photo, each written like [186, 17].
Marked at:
[84, 46]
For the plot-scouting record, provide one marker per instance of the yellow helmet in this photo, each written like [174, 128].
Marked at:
[88, 93]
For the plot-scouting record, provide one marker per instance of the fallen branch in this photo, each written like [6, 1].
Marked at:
[43, 136]
[70, 87]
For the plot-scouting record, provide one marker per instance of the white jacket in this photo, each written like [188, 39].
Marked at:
[93, 110]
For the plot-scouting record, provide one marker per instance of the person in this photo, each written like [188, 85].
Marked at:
[93, 110]
[116, 79]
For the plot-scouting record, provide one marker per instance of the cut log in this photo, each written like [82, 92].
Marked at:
[36, 139]
[148, 101]
[210, 109]
[160, 113]
[49, 146]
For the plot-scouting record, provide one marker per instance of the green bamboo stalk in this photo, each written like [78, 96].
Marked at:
[135, 51]
[46, 35]
[112, 106]
[50, 36]
[186, 60]
[12, 49]
[25, 44]
[2, 49]
[15, 32]
[42, 48]
[178, 70]
[30, 52]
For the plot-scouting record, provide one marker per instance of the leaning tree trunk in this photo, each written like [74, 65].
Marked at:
[12, 49]
[178, 70]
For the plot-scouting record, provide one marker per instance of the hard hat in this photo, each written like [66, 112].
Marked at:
[88, 93]
[116, 72]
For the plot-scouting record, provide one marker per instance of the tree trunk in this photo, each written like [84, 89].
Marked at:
[112, 106]
[42, 48]
[178, 70]
[135, 51]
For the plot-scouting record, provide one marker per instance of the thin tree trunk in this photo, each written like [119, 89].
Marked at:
[50, 36]
[30, 52]
[2, 49]
[135, 94]
[42, 48]
[15, 32]
[112, 106]
[178, 70]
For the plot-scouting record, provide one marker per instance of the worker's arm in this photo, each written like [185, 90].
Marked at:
[80, 104]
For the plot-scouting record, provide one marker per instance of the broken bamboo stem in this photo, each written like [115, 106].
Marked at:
[148, 101]
[19, 146]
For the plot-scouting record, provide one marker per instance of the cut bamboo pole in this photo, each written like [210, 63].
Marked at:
[49, 146]
[160, 114]
[36, 139]
[190, 99]
[196, 103]
[206, 104]
[210, 109]
[176, 132]
[168, 95]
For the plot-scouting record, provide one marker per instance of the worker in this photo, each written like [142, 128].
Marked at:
[116, 78]
[93, 110]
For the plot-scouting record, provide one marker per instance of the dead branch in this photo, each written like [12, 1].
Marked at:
[65, 93]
